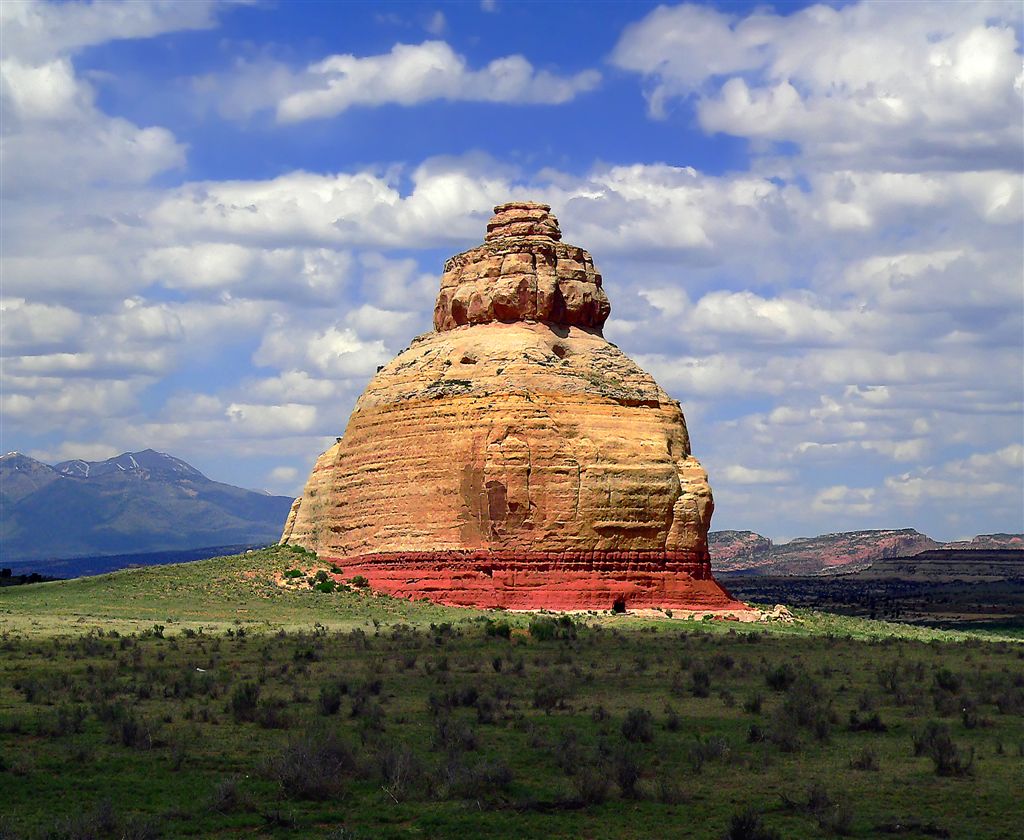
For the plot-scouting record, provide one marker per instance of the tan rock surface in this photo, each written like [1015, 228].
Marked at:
[514, 457]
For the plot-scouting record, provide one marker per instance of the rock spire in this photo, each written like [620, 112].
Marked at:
[513, 457]
[522, 272]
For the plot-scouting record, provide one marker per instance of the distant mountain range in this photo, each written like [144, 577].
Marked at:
[850, 551]
[136, 503]
[149, 507]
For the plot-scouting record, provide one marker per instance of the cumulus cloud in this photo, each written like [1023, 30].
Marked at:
[844, 319]
[406, 75]
[934, 84]
[70, 450]
[56, 139]
[36, 29]
[334, 351]
[738, 474]
[413, 73]
[272, 420]
[315, 275]
[54, 136]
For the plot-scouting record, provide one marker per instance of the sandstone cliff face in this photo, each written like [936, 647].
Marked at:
[849, 551]
[514, 457]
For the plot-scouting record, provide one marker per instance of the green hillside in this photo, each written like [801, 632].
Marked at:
[221, 592]
[244, 590]
[209, 700]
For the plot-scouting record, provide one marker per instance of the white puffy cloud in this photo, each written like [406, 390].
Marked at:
[450, 200]
[844, 319]
[842, 501]
[739, 474]
[68, 403]
[28, 326]
[296, 274]
[34, 29]
[413, 73]
[919, 84]
[55, 138]
[70, 450]
[332, 351]
[272, 420]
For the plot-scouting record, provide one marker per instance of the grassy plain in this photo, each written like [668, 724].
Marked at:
[205, 700]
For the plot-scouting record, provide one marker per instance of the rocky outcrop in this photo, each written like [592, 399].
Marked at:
[989, 542]
[522, 272]
[739, 550]
[513, 457]
[840, 553]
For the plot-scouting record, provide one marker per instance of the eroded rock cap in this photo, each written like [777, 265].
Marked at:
[522, 272]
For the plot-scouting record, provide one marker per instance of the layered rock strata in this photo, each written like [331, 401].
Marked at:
[513, 457]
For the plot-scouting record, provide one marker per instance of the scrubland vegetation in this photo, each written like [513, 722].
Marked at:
[400, 722]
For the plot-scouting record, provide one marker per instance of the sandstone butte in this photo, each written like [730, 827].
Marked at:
[513, 457]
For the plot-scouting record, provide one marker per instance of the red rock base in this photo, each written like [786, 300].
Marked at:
[586, 580]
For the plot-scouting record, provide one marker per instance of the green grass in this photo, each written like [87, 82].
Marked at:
[213, 594]
[178, 733]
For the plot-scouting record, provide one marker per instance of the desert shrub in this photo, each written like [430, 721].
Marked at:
[866, 759]
[273, 714]
[638, 726]
[703, 750]
[970, 715]
[834, 815]
[781, 677]
[327, 586]
[454, 736]
[903, 682]
[700, 682]
[946, 680]
[313, 766]
[479, 780]
[752, 705]
[321, 576]
[401, 771]
[807, 706]
[936, 742]
[486, 709]
[554, 693]
[466, 696]
[626, 764]
[722, 662]
[1009, 700]
[244, 701]
[667, 789]
[568, 753]
[545, 629]
[672, 720]
[501, 629]
[591, 783]
[228, 798]
[293, 573]
[70, 720]
[359, 582]
[328, 701]
[748, 825]
[101, 821]
[868, 723]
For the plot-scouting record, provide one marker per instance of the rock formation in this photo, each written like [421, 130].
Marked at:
[513, 457]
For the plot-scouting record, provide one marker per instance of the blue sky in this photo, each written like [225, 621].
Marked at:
[219, 218]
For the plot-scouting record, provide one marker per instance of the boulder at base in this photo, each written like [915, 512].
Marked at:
[513, 457]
